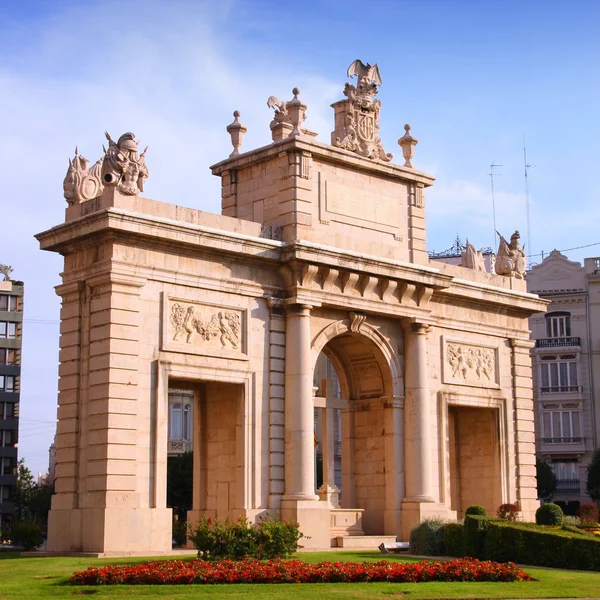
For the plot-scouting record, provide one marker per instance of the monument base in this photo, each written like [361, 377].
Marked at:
[313, 518]
[110, 531]
[414, 512]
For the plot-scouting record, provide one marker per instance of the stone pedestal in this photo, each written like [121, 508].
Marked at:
[314, 520]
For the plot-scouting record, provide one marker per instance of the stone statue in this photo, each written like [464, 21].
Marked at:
[122, 167]
[511, 258]
[82, 183]
[358, 130]
[472, 259]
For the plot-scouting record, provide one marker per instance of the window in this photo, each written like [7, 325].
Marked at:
[561, 426]
[7, 410]
[8, 438]
[8, 356]
[180, 415]
[6, 466]
[8, 302]
[5, 493]
[176, 422]
[558, 373]
[7, 383]
[558, 325]
[8, 330]
[567, 475]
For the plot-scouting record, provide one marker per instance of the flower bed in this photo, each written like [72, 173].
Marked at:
[172, 572]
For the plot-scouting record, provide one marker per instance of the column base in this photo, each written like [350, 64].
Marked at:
[111, 531]
[300, 498]
[415, 512]
[314, 521]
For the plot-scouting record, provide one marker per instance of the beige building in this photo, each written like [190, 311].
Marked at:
[312, 291]
[565, 358]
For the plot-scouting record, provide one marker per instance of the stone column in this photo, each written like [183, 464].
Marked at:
[417, 440]
[524, 428]
[299, 407]
[348, 483]
[299, 502]
[393, 411]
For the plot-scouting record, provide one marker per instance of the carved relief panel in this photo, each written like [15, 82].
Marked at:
[470, 364]
[204, 329]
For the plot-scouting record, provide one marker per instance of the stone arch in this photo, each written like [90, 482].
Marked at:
[387, 359]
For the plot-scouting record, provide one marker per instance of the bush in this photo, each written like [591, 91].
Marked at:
[179, 533]
[454, 539]
[571, 521]
[549, 514]
[27, 534]
[593, 477]
[239, 539]
[507, 512]
[546, 480]
[427, 538]
[276, 539]
[475, 529]
[476, 509]
[588, 513]
[533, 545]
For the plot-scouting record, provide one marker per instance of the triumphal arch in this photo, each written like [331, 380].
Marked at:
[311, 295]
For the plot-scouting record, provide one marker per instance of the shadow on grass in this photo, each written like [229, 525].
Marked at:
[7, 554]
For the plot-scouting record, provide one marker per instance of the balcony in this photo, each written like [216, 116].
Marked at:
[179, 447]
[561, 342]
[563, 445]
[567, 485]
[559, 389]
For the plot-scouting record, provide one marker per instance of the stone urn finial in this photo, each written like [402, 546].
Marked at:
[236, 130]
[296, 110]
[407, 142]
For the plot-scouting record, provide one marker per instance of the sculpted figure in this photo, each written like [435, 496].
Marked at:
[360, 131]
[122, 166]
[82, 183]
[472, 259]
[511, 258]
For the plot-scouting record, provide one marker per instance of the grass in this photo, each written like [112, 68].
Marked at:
[36, 578]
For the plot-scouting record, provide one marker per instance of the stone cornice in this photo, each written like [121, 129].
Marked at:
[326, 153]
[313, 273]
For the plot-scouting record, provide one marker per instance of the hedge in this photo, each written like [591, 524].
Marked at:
[454, 539]
[526, 543]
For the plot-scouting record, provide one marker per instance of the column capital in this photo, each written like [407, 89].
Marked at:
[295, 308]
[411, 325]
[523, 344]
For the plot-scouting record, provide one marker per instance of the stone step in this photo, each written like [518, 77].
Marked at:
[364, 541]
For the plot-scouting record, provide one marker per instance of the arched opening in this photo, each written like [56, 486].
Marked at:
[357, 429]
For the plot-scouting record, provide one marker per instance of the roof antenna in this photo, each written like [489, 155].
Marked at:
[491, 174]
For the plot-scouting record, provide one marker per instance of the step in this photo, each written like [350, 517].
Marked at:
[364, 541]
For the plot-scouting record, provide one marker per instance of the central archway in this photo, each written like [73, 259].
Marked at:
[359, 387]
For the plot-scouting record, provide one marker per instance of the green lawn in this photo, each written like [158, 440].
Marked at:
[38, 578]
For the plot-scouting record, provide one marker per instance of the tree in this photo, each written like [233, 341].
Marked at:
[25, 491]
[180, 477]
[546, 480]
[593, 478]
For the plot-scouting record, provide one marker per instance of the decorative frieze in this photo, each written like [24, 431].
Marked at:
[470, 364]
[197, 328]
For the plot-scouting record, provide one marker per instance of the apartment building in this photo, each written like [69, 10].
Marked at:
[566, 363]
[11, 318]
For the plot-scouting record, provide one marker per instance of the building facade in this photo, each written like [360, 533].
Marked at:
[565, 358]
[319, 256]
[11, 323]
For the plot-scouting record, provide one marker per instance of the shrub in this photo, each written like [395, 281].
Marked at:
[546, 480]
[454, 539]
[215, 539]
[549, 514]
[276, 539]
[593, 477]
[588, 513]
[179, 533]
[475, 529]
[476, 509]
[427, 538]
[507, 512]
[27, 534]
[533, 545]
[571, 521]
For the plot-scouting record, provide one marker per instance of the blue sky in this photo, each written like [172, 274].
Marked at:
[475, 79]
